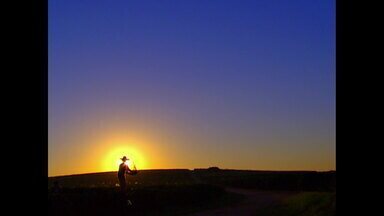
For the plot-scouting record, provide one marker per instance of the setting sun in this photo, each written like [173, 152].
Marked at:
[112, 159]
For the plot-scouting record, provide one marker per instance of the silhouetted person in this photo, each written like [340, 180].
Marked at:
[123, 169]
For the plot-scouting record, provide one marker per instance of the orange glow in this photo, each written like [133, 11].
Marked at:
[112, 159]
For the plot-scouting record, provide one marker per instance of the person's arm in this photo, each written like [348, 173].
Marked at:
[127, 170]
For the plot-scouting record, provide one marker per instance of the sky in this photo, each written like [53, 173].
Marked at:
[244, 84]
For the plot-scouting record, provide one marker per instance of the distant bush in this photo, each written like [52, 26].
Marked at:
[214, 169]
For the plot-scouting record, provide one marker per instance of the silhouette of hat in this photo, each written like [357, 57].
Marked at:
[124, 158]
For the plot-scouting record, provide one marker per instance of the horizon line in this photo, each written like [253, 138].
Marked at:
[260, 170]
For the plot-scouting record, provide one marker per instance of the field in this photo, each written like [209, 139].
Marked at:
[304, 204]
[195, 192]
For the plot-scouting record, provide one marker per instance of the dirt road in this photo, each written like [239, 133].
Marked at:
[254, 201]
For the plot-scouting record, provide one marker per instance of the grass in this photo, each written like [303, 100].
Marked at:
[304, 204]
[180, 192]
[154, 200]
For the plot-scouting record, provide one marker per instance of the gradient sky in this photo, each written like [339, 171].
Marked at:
[191, 83]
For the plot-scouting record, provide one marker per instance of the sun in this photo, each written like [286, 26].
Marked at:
[112, 159]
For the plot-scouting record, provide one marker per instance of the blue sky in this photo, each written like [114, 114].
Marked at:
[211, 78]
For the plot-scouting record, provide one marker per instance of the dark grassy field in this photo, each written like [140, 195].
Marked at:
[182, 191]
[263, 180]
[304, 204]
[150, 200]
[270, 180]
[109, 179]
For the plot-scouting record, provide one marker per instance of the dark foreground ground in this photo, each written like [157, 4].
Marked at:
[155, 200]
[277, 203]
[198, 192]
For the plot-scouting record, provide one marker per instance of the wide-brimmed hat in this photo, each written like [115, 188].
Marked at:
[124, 158]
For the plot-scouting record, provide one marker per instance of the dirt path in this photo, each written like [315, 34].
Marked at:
[253, 202]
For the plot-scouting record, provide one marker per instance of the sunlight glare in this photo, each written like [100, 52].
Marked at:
[112, 159]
